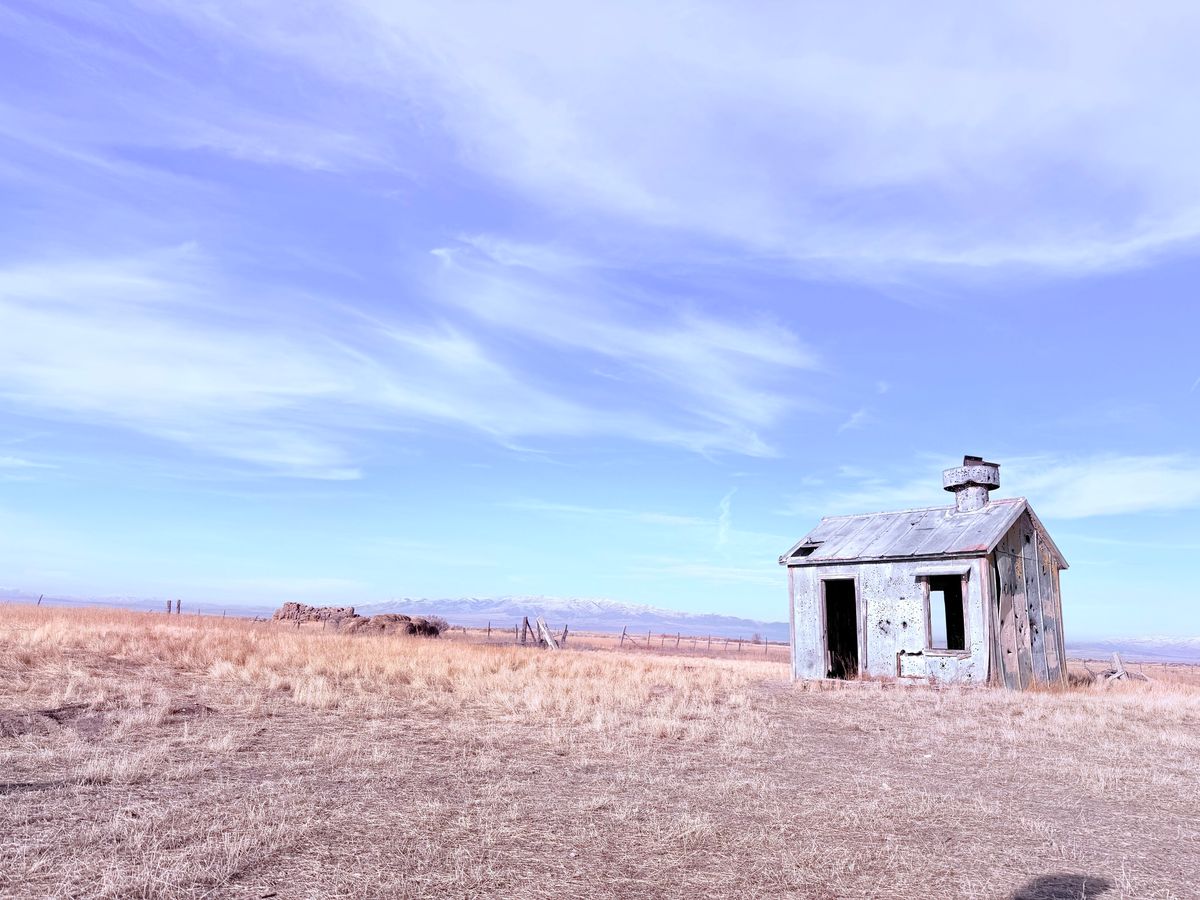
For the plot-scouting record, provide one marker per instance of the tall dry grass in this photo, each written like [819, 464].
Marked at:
[220, 757]
[57, 656]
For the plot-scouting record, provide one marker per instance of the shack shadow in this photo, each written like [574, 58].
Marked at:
[1062, 887]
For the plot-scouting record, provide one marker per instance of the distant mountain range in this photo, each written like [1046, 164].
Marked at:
[608, 615]
[1146, 649]
[583, 615]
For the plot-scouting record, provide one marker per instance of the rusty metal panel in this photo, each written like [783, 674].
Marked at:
[933, 531]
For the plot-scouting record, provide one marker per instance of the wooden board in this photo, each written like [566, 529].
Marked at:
[1032, 565]
[1010, 670]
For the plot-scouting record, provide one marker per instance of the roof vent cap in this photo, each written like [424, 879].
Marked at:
[971, 482]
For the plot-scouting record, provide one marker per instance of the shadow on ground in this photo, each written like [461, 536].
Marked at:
[1063, 887]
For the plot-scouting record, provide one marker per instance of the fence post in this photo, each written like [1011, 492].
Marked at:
[563, 639]
[677, 639]
[710, 642]
[739, 645]
[662, 641]
[40, 596]
[489, 634]
[622, 644]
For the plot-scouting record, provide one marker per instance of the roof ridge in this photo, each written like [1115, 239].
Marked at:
[913, 509]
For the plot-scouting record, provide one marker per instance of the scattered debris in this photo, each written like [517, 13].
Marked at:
[544, 633]
[344, 619]
[1116, 672]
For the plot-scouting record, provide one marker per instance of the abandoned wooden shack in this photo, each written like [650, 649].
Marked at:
[967, 593]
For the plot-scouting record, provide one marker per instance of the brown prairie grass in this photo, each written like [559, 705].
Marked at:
[155, 756]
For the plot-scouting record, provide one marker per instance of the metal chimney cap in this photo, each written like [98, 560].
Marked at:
[975, 470]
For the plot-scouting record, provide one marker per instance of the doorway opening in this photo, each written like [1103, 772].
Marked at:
[841, 628]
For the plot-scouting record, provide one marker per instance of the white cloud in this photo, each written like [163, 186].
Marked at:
[857, 419]
[1034, 136]
[16, 462]
[1058, 487]
[716, 382]
[164, 346]
[725, 518]
[1078, 488]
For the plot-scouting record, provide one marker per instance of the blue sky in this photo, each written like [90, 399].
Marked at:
[364, 300]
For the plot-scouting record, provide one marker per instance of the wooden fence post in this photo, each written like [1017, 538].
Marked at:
[40, 596]
[677, 639]
[739, 645]
[622, 644]
[710, 642]
[563, 640]
[489, 634]
[662, 641]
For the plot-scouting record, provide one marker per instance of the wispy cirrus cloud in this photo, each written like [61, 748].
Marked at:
[929, 138]
[1060, 487]
[161, 345]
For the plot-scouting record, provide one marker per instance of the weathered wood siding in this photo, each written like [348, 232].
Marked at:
[892, 620]
[1030, 608]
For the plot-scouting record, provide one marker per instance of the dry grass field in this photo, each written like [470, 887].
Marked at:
[151, 756]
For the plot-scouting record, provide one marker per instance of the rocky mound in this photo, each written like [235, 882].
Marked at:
[346, 620]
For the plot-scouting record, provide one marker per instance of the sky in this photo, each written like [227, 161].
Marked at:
[349, 302]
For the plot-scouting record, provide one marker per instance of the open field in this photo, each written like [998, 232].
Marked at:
[151, 756]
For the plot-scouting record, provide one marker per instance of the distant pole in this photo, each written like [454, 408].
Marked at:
[489, 634]
[647, 638]
[739, 645]
[168, 607]
[516, 628]
[178, 606]
[563, 639]
[622, 644]
[677, 639]
[40, 596]
[766, 644]
[710, 642]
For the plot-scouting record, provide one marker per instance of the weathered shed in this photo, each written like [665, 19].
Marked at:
[966, 593]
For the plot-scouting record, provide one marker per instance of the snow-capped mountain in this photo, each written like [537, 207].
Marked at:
[582, 615]
[1162, 648]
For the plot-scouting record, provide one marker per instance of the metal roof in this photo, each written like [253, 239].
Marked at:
[936, 531]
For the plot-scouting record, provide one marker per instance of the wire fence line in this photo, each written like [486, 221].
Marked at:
[649, 640]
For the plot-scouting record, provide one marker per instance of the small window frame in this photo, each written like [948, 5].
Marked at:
[924, 580]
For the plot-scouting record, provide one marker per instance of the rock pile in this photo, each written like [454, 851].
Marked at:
[346, 620]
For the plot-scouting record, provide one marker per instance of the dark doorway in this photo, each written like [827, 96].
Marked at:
[841, 628]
